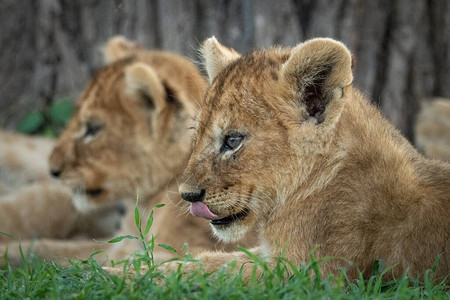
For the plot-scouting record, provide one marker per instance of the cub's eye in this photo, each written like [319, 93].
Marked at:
[92, 129]
[231, 142]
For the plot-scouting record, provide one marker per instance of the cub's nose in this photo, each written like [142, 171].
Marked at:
[193, 196]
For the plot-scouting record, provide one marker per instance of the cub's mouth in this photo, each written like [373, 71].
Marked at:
[199, 209]
[232, 218]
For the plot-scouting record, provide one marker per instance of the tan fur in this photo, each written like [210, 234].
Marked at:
[23, 159]
[217, 57]
[432, 131]
[130, 135]
[317, 165]
[119, 47]
[32, 204]
[45, 210]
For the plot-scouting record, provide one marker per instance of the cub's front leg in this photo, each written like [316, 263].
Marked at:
[37, 210]
[209, 261]
[212, 261]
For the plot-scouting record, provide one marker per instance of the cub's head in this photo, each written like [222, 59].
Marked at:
[264, 120]
[129, 132]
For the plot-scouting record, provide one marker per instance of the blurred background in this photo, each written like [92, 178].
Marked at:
[50, 48]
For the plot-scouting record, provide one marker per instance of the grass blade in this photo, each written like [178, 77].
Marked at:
[136, 215]
[8, 235]
[167, 247]
[120, 238]
[149, 224]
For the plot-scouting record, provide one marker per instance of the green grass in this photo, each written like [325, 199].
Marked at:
[36, 279]
[87, 280]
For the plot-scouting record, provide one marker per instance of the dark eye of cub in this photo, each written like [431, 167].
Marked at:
[231, 142]
[92, 129]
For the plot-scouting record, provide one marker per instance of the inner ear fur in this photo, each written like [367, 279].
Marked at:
[143, 82]
[119, 47]
[178, 98]
[319, 69]
[216, 57]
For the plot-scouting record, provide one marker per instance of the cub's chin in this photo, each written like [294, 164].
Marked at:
[235, 230]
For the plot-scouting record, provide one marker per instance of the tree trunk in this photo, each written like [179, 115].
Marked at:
[50, 48]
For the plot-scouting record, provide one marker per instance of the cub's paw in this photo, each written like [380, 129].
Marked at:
[179, 266]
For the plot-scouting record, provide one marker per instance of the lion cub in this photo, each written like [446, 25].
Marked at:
[130, 134]
[286, 144]
[34, 205]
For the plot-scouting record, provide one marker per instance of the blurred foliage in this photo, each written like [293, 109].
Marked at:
[49, 122]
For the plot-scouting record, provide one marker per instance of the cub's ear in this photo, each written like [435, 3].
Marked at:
[142, 82]
[119, 47]
[216, 57]
[319, 69]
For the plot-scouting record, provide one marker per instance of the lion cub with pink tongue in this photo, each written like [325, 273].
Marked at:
[287, 145]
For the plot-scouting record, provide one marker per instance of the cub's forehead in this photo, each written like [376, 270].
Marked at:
[102, 95]
[244, 87]
[251, 74]
[104, 83]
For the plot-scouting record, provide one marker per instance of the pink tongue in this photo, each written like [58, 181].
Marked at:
[199, 209]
